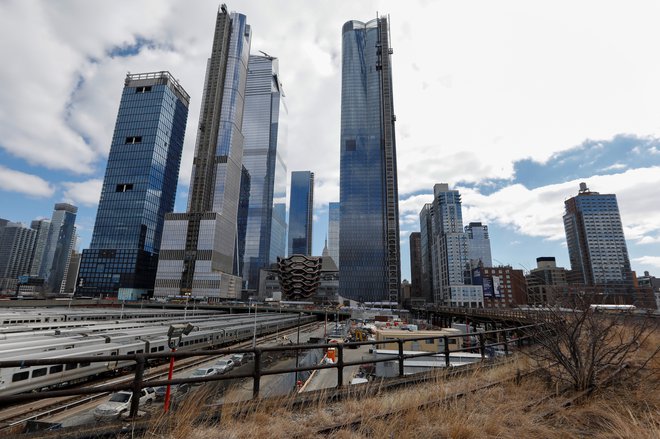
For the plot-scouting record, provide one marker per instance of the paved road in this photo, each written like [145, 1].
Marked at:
[325, 378]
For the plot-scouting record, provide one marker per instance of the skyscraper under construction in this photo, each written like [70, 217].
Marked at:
[198, 254]
[369, 201]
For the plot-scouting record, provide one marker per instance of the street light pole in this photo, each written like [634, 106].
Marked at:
[174, 335]
[254, 337]
[169, 378]
[297, 351]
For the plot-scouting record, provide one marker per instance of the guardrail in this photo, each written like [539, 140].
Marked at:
[508, 336]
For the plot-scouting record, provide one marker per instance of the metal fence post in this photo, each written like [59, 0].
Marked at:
[506, 342]
[257, 373]
[446, 341]
[400, 343]
[340, 365]
[137, 385]
[482, 345]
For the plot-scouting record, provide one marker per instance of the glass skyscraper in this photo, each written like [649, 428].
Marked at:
[301, 213]
[198, 251]
[16, 247]
[138, 189]
[61, 237]
[369, 210]
[478, 244]
[264, 127]
[42, 228]
[333, 232]
[596, 245]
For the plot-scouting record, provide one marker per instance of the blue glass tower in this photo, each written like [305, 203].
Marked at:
[199, 247]
[138, 189]
[369, 212]
[61, 236]
[301, 210]
[264, 127]
[333, 232]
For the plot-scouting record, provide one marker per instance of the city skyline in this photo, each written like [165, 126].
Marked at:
[493, 111]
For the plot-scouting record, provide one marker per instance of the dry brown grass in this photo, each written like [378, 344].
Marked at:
[630, 408]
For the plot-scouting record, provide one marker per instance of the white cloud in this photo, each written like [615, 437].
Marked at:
[649, 260]
[538, 212]
[86, 193]
[16, 181]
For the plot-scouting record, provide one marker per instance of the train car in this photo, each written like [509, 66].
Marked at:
[137, 341]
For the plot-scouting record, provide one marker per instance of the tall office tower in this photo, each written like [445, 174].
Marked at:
[61, 237]
[42, 227]
[369, 201]
[478, 244]
[596, 246]
[138, 189]
[71, 276]
[451, 273]
[301, 213]
[416, 265]
[426, 247]
[16, 246]
[264, 128]
[197, 255]
[333, 232]
[242, 220]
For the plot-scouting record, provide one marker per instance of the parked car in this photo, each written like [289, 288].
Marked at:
[224, 365]
[120, 403]
[176, 390]
[203, 372]
[242, 358]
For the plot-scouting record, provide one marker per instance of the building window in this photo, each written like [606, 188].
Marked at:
[145, 89]
[123, 187]
[350, 145]
[133, 139]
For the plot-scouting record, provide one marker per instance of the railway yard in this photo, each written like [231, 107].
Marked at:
[61, 333]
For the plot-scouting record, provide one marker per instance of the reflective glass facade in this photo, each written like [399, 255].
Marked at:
[199, 248]
[478, 244]
[333, 232]
[264, 127]
[596, 245]
[61, 236]
[369, 217]
[301, 210]
[139, 187]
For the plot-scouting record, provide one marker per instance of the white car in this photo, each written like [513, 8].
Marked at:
[120, 403]
[224, 365]
[203, 372]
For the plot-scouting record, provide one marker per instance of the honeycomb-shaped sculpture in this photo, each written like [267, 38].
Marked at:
[299, 275]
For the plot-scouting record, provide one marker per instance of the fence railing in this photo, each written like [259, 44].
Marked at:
[486, 339]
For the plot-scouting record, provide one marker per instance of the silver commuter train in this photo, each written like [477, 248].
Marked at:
[16, 380]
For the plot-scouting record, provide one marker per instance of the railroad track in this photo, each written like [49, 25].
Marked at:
[14, 417]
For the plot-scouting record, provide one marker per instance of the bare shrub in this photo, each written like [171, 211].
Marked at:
[581, 345]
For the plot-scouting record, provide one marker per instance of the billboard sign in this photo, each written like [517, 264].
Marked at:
[488, 286]
[497, 287]
[476, 276]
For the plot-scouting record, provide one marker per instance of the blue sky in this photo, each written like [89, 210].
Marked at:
[513, 104]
